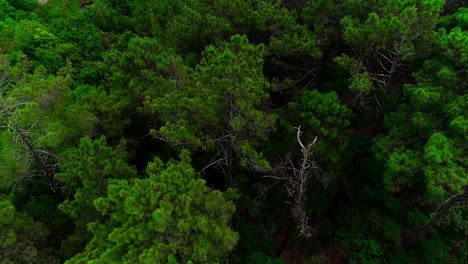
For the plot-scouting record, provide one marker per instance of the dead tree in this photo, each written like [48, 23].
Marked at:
[297, 178]
[40, 157]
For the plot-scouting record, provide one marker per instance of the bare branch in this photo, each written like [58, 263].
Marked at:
[299, 136]
[297, 180]
[216, 162]
[275, 177]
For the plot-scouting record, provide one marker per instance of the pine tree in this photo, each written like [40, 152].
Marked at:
[169, 216]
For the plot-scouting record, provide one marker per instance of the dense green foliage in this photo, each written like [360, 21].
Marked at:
[171, 213]
[176, 131]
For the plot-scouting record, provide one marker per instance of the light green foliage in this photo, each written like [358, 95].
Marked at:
[39, 105]
[446, 171]
[360, 80]
[461, 16]
[224, 96]
[151, 16]
[153, 69]
[457, 110]
[425, 97]
[136, 70]
[400, 170]
[13, 168]
[441, 157]
[85, 173]
[383, 42]
[38, 42]
[169, 215]
[322, 113]
[427, 129]
[455, 42]
[393, 25]
[48, 110]
[441, 161]
[192, 25]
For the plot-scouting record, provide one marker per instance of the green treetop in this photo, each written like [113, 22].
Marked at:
[221, 105]
[171, 216]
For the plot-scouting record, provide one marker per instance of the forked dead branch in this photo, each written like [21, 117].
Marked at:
[297, 178]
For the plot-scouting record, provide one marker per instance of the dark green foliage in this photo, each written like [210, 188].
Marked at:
[22, 238]
[259, 258]
[91, 91]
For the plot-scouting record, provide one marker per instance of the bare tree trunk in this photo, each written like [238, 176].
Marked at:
[301, 182]
[297, 181]
[229, 158]
[230, 147]
[45, 168]
[441, 212]
[53, 184]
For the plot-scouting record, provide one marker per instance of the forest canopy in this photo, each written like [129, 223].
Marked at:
[215, 131]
